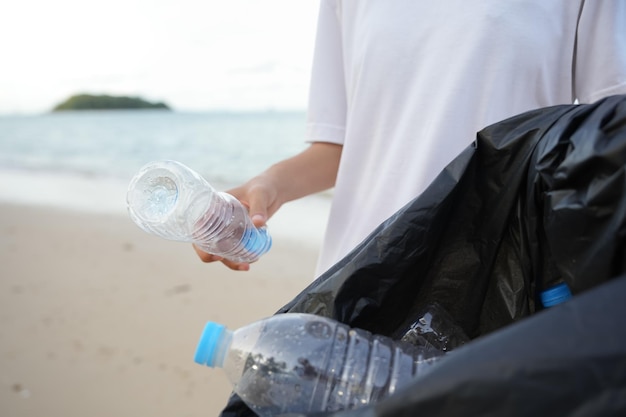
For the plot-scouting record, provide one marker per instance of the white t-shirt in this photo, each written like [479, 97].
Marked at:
[405, 85]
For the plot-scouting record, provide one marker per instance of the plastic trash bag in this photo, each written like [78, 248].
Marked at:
[536, 200]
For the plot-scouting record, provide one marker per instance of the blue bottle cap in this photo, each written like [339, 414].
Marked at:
[555, 295]
[207, 346]
[258, 241]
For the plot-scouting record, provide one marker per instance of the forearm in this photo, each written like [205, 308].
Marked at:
[311, 171]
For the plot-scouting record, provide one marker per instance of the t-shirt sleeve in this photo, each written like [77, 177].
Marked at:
[326, 114]
[600, 63]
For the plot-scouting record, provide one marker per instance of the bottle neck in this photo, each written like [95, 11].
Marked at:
[222, 348]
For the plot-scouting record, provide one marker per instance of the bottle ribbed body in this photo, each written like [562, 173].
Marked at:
[169, 200]
[300, 363]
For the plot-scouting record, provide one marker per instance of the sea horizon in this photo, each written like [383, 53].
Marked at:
[224, 146]
[84, 160]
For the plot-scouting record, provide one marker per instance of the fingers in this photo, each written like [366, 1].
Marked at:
[259, 203]
[259, 219]
[260, 196]
[236, 266]
[208, 258]
[205, 257]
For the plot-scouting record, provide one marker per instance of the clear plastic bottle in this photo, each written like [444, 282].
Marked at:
[168, 199]
[302, 363]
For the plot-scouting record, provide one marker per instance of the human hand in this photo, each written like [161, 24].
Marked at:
[311, 171]
[259, 197]
[209, 258]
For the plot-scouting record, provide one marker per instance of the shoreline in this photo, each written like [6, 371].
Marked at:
[100, 318]
[303, 220]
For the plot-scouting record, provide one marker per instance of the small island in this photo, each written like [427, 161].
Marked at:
[106, 102]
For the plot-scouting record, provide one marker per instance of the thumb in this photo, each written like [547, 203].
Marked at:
[258, 209]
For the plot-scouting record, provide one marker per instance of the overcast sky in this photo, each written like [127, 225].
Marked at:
[193, 54]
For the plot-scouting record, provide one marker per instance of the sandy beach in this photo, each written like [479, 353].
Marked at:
[100, 319]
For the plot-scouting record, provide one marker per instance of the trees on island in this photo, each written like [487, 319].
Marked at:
[106, 102]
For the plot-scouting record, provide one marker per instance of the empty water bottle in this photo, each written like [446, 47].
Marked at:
[303, 363]
[171, 201]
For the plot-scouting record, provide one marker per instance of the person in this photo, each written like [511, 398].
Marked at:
[399, 88]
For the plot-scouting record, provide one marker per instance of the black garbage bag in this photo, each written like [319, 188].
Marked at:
[566, 361]
[536, 200]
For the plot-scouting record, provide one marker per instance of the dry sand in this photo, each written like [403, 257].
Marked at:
[98, 318]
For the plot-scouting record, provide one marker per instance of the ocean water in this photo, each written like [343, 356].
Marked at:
[85, 160]
[226, 148]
